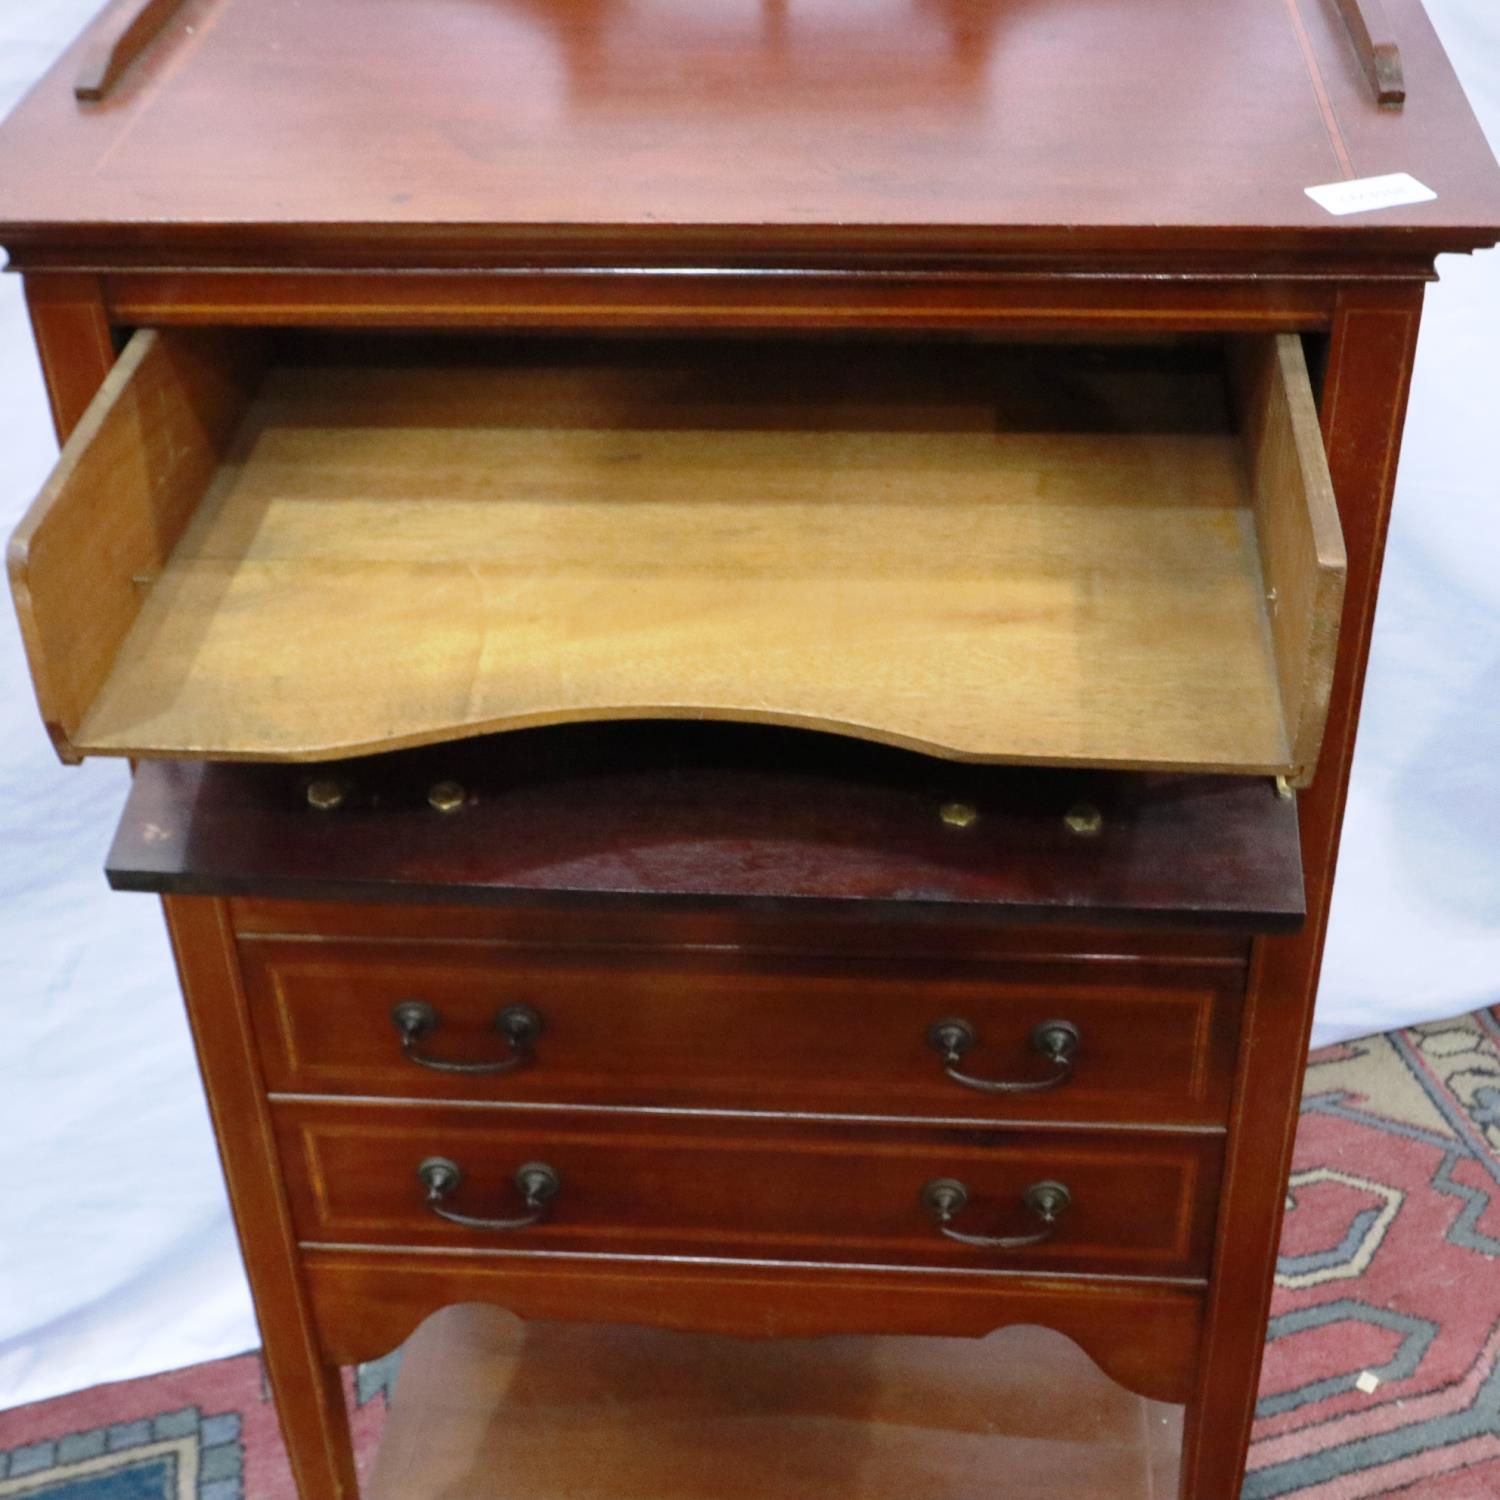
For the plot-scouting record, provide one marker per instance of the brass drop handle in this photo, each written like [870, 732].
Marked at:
[946, 1198]
[536, 1182]
[1057, 1041]
[520, 1025]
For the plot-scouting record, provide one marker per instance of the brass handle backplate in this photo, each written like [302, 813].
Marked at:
[946, 1197]
[520, 1025]
[536, 1182]
[1057, 1041]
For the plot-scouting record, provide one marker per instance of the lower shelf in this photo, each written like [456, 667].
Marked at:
[490, 1408]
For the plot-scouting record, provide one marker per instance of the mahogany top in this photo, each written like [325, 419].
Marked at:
[405, 132]
[721, 816]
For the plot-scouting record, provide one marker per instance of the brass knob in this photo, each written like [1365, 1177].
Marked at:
[1084, 819]
[446, 796]
[326, 794]
[959, 814]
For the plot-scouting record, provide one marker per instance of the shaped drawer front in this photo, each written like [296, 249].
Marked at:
[1130, 1041]
[602, 1182]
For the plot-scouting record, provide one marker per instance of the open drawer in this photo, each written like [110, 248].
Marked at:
[285, 550]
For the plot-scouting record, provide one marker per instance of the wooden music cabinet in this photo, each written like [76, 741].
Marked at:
[742, 627]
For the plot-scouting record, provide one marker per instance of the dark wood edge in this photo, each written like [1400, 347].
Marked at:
[435, 926]
[1343, 251]
[1375, 45]
[109, 56]
[862, 910]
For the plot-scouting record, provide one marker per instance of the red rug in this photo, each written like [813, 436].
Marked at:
[1381, 1376]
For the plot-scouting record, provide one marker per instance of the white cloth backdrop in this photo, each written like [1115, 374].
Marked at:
[116, 1255]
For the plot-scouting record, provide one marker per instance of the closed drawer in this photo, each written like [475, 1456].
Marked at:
[1086, 1041]
[789, 1191]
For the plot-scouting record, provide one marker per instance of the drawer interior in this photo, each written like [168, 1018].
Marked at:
[281, 549]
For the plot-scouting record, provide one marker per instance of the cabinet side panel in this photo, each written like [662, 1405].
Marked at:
[305, 1381]
[1364, 405]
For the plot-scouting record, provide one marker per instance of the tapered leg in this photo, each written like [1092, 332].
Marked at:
[307, 1387]
[1363, 407]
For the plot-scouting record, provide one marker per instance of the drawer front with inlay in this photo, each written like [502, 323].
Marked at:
[1081, 1041]
[608, 1182]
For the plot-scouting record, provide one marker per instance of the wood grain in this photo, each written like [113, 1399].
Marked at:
[71, 326]
[959, 553]
[488, 1407]
[773, 1190]
[1047, 294]
[787, 933]
[98, 537]
[1142, 1334]
[1303, 562]
[1363, 408]
[306, 1383]
[699, 1030]
[1026, 164]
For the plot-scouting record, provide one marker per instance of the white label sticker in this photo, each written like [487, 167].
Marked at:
[1367, 193]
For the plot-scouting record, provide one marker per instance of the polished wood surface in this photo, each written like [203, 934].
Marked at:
[1033, 295]
[784, 931]
[774, 1190]
[1143, 1334]
[75, 342]
[702, 1029]
[1362, 412]
[406, 134]
[1044, 556]
[489, 1408]
[304, 1380]
[722, 816]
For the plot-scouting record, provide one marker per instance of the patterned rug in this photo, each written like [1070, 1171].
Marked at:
[204, 1433]
[1381, 1377]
